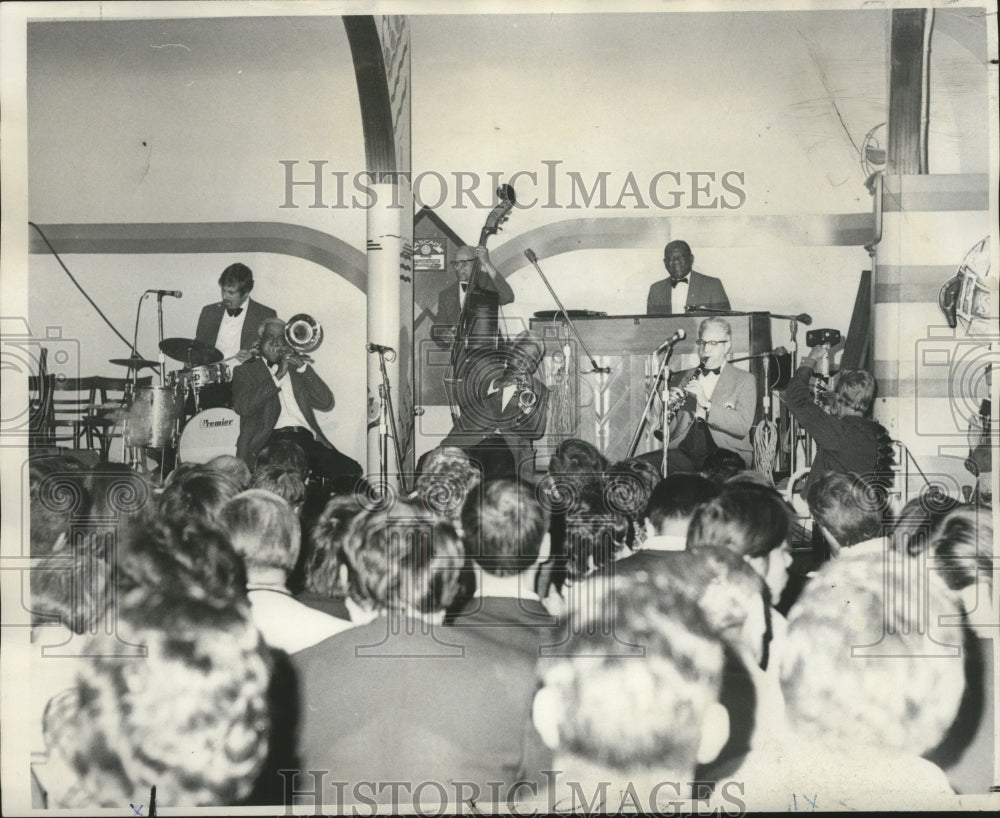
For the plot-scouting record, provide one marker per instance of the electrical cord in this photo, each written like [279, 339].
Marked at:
[107, 321]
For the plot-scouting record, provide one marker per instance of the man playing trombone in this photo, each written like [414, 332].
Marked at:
[276, 396]
[502, 407]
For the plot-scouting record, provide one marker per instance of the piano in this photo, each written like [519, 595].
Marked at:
[605, 409]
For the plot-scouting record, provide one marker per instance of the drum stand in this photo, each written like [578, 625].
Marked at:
[387, 424]
[135, 455]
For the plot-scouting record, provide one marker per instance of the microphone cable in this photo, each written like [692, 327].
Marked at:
[80, 288]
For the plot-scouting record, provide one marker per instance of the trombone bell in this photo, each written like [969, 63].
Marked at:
[303, 333]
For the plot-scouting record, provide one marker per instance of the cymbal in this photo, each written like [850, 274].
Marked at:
[133, 363]
[189, 351]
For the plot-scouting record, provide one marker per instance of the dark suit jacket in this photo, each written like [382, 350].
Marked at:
[211, 318]
[384, 703]
[703, 291]
[482, 413]
[492, 294]
[522, 624]
[734, 405]
[256, 401]
[843, 444]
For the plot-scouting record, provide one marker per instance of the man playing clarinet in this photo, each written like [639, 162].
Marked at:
[715, 403]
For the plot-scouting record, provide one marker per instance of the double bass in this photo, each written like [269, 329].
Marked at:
[477, 323]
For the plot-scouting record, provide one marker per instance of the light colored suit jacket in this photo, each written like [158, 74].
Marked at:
[734, 405]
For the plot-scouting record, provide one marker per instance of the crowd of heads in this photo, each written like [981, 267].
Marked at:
[688, 570]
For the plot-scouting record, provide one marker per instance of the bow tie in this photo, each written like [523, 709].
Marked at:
[675, 281]
[234, 313]
[706, 371]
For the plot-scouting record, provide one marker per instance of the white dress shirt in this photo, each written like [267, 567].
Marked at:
[708, 383]
[230, 332]
[679, 297]
[291, 414]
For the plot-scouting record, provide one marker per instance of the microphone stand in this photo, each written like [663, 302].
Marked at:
[793, 426]
[129, 393]
[387, 424]
[600, 370]
[662, 373]
[162, 357]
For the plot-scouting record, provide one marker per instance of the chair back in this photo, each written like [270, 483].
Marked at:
[67, 402]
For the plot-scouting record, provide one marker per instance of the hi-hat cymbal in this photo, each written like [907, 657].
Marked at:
[189, 351]
[133, 363]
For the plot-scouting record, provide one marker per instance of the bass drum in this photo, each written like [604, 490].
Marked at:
[208, 434]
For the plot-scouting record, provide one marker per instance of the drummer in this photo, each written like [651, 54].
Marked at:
[230, 325]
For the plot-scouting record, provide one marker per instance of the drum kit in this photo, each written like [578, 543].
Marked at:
[184, 413]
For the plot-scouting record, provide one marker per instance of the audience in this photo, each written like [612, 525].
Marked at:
[963, 552]
[629, 484]
[194, 559]
[630, 714]
[193, 491]
[847, 513]
[446, 477]
[602, 641]
[505, 534]
[325, 581]
[870, 685]
[752, 520]
[918, 521]
[234, 467]
[265, 531]
[379, 699]
[576, 470]
[189, 717]
[287, 454]
[671, 505]
[283, 481]
[722, 464]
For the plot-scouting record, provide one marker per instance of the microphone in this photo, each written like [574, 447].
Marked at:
[680, 335]
[777, 351]
[379, 348]
[804, 318]
[161, 293]
[531, 255]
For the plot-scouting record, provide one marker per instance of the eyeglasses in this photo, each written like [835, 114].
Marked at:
[712, 344]
[461, 261]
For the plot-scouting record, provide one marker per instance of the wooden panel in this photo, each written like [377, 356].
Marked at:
[605, 408]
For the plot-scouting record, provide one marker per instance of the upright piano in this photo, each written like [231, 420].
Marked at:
[606, 409]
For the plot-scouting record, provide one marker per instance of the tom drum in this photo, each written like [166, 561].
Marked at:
[154, 417]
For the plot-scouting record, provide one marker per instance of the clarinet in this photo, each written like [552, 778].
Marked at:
[679, 396]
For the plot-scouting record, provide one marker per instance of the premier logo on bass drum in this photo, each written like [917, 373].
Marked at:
[206, 423]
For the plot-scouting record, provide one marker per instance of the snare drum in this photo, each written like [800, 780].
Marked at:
[153, 417]
[205, 387]
[208, 434]
[198, 377]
